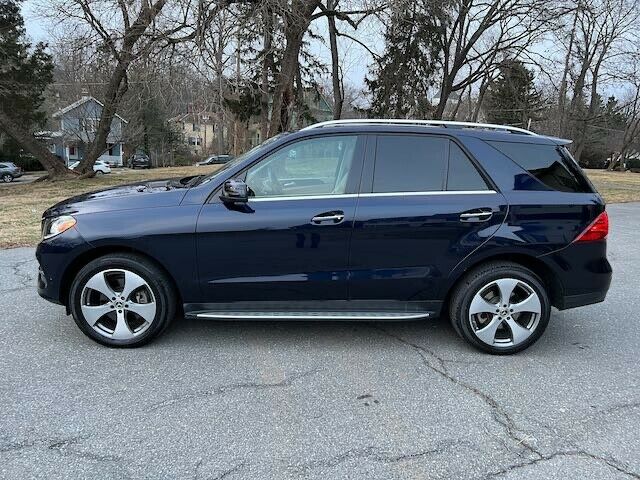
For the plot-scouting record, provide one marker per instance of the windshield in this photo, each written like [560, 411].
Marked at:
[240, 158]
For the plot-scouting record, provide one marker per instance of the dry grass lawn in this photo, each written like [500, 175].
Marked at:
[22, 205]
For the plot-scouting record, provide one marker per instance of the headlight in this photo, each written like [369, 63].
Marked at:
[56, 226]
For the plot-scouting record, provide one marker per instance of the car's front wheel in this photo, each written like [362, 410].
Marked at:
[6, 178]
[122, 300]
[500, 307]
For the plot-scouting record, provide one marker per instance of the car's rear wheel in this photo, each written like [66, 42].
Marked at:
[99, 172]
[500, 307]
[6, 178]
[122, 300]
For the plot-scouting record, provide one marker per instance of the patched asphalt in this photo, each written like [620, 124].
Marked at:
[232, 400]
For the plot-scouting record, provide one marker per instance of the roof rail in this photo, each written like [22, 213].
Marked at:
[429, 123]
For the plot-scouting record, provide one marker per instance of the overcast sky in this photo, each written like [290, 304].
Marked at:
[355, 59]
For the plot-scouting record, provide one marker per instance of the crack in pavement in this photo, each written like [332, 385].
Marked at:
[24, 279]
[221, 475]
[365, 453]
[570, 453]
[437, 364]
[285, 382]
[62, 447]
[501, 416]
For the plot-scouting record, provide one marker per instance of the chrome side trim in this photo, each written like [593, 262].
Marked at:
[315, 315]
[381, 194]
[417, 194]
[301, 197]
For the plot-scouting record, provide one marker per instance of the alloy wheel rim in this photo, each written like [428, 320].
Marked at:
[505, 313]
[6, 178]
[118, 304]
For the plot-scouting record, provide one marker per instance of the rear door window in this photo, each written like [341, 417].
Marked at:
[410, 163]
[548, 164]
[462, 174]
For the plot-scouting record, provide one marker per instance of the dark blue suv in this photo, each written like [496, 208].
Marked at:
[350, 220]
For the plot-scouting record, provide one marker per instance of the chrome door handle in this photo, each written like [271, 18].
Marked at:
[333, 217]
[481, 215]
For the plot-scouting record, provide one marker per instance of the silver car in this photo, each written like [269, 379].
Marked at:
[9, 171]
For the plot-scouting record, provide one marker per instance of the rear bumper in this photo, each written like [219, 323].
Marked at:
[573, 301]
[583, 274]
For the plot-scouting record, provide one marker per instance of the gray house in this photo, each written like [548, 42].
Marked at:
[77, 125]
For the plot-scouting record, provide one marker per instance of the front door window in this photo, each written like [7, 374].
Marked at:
[315, 166]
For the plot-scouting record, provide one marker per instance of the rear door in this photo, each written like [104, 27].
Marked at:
[423, 208]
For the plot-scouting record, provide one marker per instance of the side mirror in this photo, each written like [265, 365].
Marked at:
[235, 191]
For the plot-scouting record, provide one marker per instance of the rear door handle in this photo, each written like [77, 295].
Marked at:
[477, 215]
[328, 217]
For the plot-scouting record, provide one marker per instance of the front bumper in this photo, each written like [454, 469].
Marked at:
[56, 256]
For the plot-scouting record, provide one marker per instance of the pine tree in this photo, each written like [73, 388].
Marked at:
[400, 79]
[25, 73]
[512, 99]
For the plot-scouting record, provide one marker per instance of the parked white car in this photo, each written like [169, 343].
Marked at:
[99, 167]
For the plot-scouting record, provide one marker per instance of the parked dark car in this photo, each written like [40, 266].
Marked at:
[139, 160]
[214, 160]
[9, 171]
[349, 220]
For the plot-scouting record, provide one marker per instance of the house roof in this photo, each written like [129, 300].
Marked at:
[205, 117]
[82, 101]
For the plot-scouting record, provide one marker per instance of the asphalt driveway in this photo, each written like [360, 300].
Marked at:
[213, 400]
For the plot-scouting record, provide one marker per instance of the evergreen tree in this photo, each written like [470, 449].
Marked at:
[512, 99]
[398, 83]
[25, 73]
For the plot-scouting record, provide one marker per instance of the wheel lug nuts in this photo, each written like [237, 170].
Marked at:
[119, 311]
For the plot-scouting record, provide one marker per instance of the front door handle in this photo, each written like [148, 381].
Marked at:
[477, 215]
[328, 217]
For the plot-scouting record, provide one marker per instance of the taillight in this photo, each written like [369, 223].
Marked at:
[598, 230]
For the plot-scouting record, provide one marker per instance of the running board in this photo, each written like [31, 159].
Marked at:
[375, 316]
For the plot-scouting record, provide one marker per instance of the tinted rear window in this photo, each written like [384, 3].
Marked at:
[409, 163]
[547, 164]
[463, 175]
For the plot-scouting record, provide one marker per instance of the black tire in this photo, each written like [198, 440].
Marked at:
[7, 178]
[160, 285]
[474, 281]
[99, 173]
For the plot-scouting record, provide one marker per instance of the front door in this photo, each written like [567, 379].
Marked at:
[424, 208]
[290, 242]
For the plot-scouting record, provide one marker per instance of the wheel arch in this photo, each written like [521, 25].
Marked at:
[535, 264]
[81, 260]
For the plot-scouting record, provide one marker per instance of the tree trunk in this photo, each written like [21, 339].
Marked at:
[335, 69]
[445, 91]
[562, 93]
[267, 67]
[56, 169]
[296, 24]
[117, 85]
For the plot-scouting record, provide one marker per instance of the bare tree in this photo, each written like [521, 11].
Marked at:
[475, 32]
[127, 35]
[602, 31]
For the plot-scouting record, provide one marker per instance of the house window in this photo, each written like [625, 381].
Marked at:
[194, 141]
[195, 127]
[72, 151]
[110, 150]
